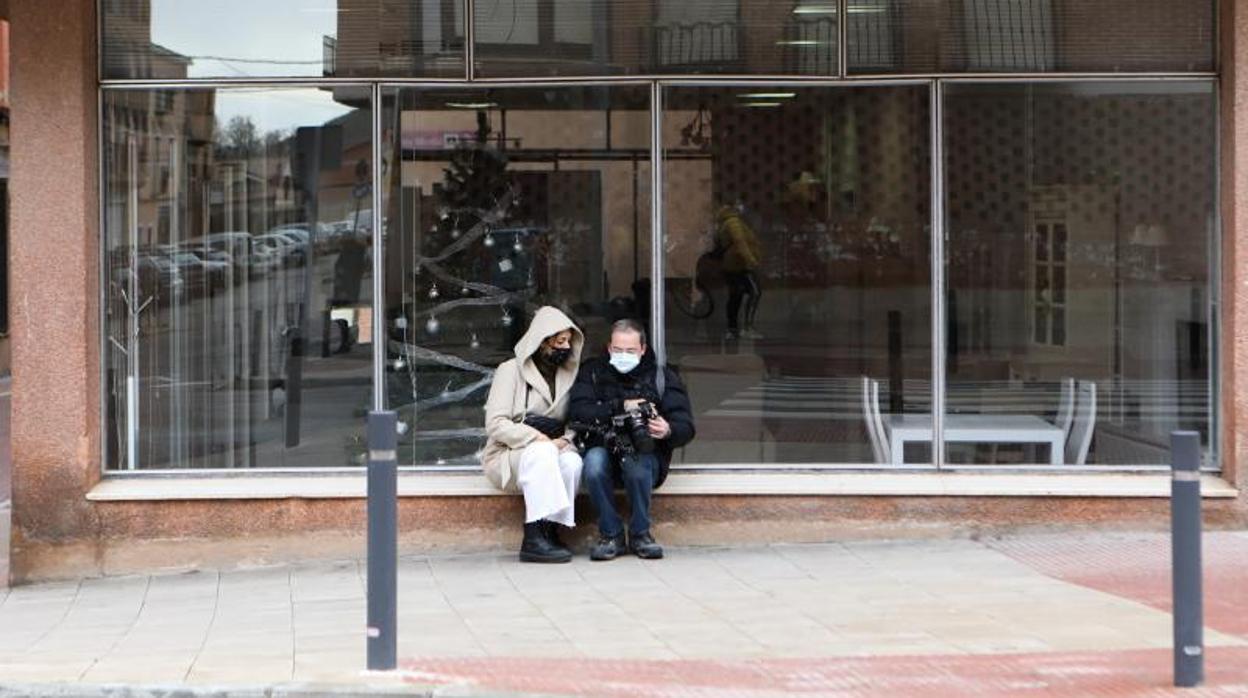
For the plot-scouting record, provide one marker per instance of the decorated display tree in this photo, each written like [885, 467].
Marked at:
[442, 295]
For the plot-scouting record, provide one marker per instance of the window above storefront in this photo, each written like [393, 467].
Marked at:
[169, 40]
[1030, 36]
[233, 39]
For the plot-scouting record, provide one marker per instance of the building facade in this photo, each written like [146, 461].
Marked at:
[990, 260]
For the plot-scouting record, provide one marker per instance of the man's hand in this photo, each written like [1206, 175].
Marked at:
[562, 444]
[659, 428]
[634, 404]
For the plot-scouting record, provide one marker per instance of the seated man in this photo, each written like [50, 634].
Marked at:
[630, 418]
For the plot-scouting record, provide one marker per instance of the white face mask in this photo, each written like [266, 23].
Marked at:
[623, 361]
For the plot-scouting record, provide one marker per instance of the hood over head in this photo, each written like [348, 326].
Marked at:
[546, 322]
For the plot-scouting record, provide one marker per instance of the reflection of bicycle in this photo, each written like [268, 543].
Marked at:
[693, 296]
[690, 297]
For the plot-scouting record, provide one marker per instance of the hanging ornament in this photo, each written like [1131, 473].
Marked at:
[516, 246]
[475, 343]
[443, 214]
[464, 291]
[432, 325]
[507, 319]
[489, 239]
[401, 323]
[454, 233]
[433, 292]
[399, 364]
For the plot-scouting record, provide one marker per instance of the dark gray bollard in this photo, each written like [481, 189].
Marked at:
[1189, 640]
[382, 541]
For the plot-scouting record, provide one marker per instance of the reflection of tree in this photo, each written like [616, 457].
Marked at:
[239, 136]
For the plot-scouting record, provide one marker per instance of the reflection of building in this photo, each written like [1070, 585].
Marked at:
[1111, 160]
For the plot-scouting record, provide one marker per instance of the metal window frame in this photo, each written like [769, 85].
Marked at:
[938, 267]
[936, 84]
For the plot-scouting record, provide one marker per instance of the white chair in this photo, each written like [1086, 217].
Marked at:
[1083, 424]
[886, 449]
[874, 434]
[1065, 407]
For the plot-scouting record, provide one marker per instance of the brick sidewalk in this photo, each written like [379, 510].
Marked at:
[1056, 674]
[1071, 614]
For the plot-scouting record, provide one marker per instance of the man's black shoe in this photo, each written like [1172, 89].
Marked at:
[537, 548]
[607, 548]
[643, 546]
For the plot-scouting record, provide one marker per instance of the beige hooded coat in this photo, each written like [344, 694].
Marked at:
[505, 408]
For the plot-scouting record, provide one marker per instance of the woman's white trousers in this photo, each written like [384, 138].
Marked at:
[549, 479]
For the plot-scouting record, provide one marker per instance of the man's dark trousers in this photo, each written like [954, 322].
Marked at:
[637, 473]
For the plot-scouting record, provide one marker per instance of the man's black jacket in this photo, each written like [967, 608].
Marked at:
[600, 391]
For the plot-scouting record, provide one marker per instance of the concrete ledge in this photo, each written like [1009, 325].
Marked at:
[213, 486]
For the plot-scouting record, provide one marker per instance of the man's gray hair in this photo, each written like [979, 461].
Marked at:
[629, 325]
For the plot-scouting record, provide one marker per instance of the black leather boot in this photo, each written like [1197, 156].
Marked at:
[552, 535]
[538, 548]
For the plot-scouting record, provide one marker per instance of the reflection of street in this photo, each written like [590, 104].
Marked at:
[217, 372]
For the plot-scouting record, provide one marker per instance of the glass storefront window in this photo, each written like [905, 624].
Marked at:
[501, 201]
[237, 280]
[798, 272]
[1081, 235]
[797, 286]
[536, 38]
[174, 39]
[1030, 36]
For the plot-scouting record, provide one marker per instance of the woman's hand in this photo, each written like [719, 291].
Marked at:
[562, 444]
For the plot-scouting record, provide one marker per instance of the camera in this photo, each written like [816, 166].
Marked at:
[628, 432]
[636, 425]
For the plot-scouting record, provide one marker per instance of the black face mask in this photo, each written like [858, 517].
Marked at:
[559, 357]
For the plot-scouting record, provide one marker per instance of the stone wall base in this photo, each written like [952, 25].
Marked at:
[145, 537]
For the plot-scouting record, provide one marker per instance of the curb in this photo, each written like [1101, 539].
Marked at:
[289, 690]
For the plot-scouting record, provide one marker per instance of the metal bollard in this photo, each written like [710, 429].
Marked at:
[1189, 641]
[382, 541]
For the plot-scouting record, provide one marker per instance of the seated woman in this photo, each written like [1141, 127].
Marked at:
[529, 447]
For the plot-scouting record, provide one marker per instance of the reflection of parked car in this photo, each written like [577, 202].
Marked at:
[237, 244]
[285, 246]
[309, 232]
[301, 238]
[197, 272]
[210, 255]
[264, 259]
[157, 275]
[357, 225]
[300, 234]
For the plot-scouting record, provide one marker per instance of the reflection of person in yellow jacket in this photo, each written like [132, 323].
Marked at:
[742, 254]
